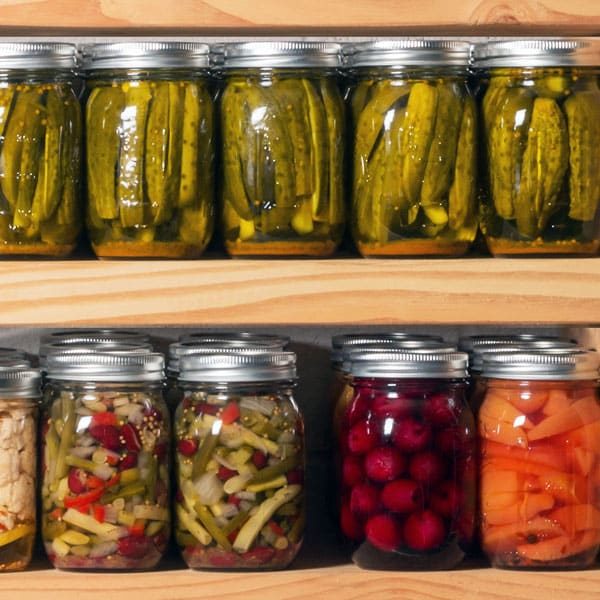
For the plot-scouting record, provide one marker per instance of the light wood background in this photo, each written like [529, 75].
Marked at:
[484, 16]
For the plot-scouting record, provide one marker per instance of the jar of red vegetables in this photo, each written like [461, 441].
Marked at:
[407, 489]
[539, 428]
[240, 461]
[105, 437]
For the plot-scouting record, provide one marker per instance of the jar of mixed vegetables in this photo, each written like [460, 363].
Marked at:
[40, 133]
[541, 123]
[415, 148]
[539, 429]
[407, 489]
[240, 461]
[150, 149]
[282, 127]
[19, 398]
[105, 440]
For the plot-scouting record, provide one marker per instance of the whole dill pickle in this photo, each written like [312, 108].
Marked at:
[202, 190]
[7, 95]
[103, 120]
[437, 176]
[583, 118]
[359, 98]
[130, 180]
[462, 197]
[175, 150]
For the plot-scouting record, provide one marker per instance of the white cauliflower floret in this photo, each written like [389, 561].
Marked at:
[6, 432]
[27, 459]
[9, 466]
[6, 519]
[22, 498]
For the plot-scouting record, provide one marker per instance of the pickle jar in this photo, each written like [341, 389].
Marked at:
[240, 461]
[40, 135]
[282, 128]
[407, 487]
[539, 469]
[105, 442]
[541, 129]
[19, 398]
[150, 149]
[415, 138]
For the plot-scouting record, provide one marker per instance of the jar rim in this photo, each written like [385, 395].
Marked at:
[38, 56]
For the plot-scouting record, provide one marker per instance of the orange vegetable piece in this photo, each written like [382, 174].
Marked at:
[567, 488]
[519, 466]
[542, 453]
[502, 538]
[558, 401]
[579, 413]
[498, 482]
[493, 501]
[527, 401]
[587, 437]
[496, 407]
[584, 460]
[560, 547]
[502, 432]
[577, 517]
[525, 509]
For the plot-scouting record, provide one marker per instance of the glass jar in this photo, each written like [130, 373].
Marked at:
[150, 149]
[541, 124]
[105, 441]
[19, 397]
[415, 148]
[240, 461]
[407, 489]
[40, 212]
[282, 127]
[539, 429]
[78, 336]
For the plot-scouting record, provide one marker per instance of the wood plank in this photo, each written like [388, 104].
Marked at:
[301, 292]
[483, 16]
[339, 582]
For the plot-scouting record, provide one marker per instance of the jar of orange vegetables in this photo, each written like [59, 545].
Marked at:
[539, 426]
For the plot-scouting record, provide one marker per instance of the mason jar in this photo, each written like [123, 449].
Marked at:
[40, 211]
[19, 398]
[282, 144]
[150, 149]
[539, 428]
[415, 148]
[239, 439]
[105, 442]
[407, 487]
[541, 129]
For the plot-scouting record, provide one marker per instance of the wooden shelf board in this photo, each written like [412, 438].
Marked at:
[272, 16]
[301, 292]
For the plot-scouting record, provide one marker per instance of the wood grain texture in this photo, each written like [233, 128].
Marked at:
[506, 16]
[297, 292]
[345, 582]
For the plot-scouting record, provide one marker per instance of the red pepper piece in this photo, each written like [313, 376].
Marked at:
[131, 437]
[104, 418]
[231, 537]
[276, 528]
[295, 476]
[224, 473]
[94, 482]
[99, 512]
[77, 480]
[86, 498]
[107, 435]
[233, 499]
[138, 528]
[128, 461]
[259, 459]
[230, 413]
[134, 546]
[56, 514]
[153, 415]
[206, 409]
[187, 447]
[258, 556]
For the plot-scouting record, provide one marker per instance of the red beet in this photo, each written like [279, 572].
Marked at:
[402, 496]
[362, 437]
[128, 461]
[387, 406]
[259, 459]
[352, 527]
[426, 468]
[352, 470]
[295, 476]
[446, 499]
[187, 447]
[411, 435]
[441, 410]
[364, 499]
[131, 437]
[384, 532]
[134, 546]
[77, 481]
[224, 473]
[424, 531]
[384, 464]
[107, 435]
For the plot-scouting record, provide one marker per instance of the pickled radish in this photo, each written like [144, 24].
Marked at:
[502, 432]
[577, 517]
[579, 413]
[560, 547]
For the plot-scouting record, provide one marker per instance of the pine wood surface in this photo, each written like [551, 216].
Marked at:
[300, 292]
[506, 16]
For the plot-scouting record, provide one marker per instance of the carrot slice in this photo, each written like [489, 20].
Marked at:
[558, 401]
[494, 501]
[579, 413]
[577, 517]
[567, 488]
[542, 453]
[502, 432]
[496, 407]
[529, 401]
[584, 460]
[527, 508]
[520, 466]
[502, 538]
[587, 437]
[560, 547]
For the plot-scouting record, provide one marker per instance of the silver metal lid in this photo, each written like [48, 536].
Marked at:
[178, 350]
[414, 365]
[238, 339]
[19, 382]
[146, 55]
[12, 353]
[472, 343]
[38, 55]
[556, 364]
[552, 52]
[280, 54]
[238, 367]
[409, 52]
[106, 366]
[95, 336]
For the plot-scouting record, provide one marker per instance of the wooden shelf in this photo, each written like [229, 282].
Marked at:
[301, 292]
[273, 16]
[339, 582]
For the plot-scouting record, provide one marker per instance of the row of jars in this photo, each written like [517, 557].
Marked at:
[437, 146]
[409, 460]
